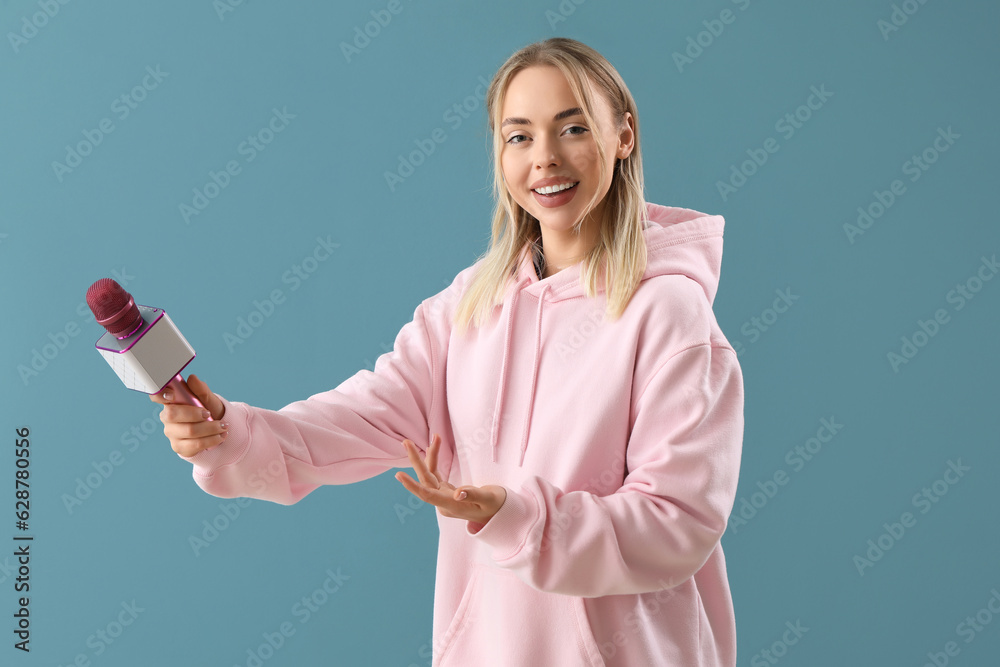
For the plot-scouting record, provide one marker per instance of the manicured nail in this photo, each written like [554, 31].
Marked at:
[463, 495]
[224, 426]
[205, 414]
[168, 395]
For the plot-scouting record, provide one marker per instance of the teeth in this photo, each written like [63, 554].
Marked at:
[554, 188]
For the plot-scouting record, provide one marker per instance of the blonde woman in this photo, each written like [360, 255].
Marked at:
[569, 403]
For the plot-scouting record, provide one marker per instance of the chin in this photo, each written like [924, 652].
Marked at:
[563, 221]
[561, 224]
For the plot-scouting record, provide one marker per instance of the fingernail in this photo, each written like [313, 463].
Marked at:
[224, 434]
[205, 414]
[463, 495]
[168, 395]
[224, 426]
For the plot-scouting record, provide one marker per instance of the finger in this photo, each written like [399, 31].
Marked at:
[432, 455]
[443, 500]
[177, 412]
[165, 395]
[192, 430]
[205, 395]
[428, 476]
[423, 474]
[190, 447]
[159, 397]
[413, 487]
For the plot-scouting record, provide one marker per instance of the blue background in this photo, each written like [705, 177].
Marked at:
[791, 557]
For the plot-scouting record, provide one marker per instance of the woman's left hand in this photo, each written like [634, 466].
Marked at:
[472, 503]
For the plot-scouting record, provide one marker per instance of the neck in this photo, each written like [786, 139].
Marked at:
[562, 249]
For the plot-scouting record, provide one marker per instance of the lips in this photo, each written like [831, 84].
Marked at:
[550, 181]
[556, 198]
[553, 190]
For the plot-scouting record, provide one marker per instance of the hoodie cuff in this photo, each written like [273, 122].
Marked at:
[507, 530]
[232, 449]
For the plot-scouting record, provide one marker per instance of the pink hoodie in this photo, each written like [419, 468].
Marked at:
[618, 443]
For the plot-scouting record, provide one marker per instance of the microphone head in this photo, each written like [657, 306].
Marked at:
[113, 308]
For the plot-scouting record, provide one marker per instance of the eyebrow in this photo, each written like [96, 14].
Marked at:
[575, 111]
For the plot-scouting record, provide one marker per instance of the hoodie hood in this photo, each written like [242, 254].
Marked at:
[678, 241]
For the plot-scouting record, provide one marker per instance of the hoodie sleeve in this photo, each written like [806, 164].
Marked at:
[344, 435]
[660, 527]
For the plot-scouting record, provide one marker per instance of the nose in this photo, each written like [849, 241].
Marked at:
[546, 152]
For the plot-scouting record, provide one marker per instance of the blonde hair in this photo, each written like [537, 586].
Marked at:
[619, 255]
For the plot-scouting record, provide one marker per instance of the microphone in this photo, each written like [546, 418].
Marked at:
[142, 345]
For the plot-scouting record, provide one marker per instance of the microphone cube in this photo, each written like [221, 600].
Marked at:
[150, 357]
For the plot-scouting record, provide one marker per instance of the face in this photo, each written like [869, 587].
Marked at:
[547, 142]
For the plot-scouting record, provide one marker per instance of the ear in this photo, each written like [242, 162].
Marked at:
[626, 137]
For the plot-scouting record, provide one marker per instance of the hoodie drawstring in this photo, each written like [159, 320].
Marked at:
[494, 436]
[503, 369]
[534, 374]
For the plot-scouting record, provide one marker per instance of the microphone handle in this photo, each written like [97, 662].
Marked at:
[182, 394]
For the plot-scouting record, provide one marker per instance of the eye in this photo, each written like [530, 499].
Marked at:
[570, 129]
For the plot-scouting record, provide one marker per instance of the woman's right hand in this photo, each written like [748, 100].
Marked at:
[187, 426]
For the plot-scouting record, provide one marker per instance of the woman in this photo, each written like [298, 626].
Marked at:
[569, 403]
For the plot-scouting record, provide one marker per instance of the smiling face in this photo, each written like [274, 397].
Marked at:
[548, 142]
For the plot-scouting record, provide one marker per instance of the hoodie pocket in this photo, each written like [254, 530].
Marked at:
[592, 650]
[467, 608]
[503, 622]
